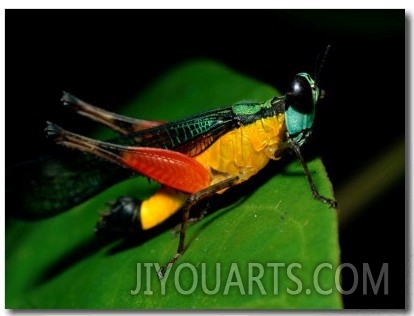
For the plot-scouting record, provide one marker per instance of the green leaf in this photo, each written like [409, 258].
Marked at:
[270, 223]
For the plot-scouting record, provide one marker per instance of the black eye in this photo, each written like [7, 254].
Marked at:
[299, 95]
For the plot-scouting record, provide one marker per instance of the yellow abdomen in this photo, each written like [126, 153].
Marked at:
[244, 151]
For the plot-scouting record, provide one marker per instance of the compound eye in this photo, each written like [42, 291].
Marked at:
[300, 95]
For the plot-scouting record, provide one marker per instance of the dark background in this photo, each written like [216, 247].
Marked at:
[108, 56]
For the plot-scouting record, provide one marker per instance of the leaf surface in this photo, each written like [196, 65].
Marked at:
[268, 236]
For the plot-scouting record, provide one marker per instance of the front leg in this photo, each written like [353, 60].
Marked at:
[295, 147]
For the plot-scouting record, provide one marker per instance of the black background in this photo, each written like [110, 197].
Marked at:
[107, 56]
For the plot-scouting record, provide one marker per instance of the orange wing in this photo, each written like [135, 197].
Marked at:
[171, 168]
[168, 167]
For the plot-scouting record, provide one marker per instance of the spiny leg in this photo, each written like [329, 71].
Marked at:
[79, 142]
[314, 190]
[119, 123]
[191, 201]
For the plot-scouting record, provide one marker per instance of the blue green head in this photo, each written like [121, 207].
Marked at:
[300, 103]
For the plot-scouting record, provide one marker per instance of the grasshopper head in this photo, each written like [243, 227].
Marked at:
[300, 103]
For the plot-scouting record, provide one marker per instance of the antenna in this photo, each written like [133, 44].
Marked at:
[319, 69]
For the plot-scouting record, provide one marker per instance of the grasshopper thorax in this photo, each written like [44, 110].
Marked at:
[300, 101]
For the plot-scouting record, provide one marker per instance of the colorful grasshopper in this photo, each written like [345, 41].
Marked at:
[199, 156]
